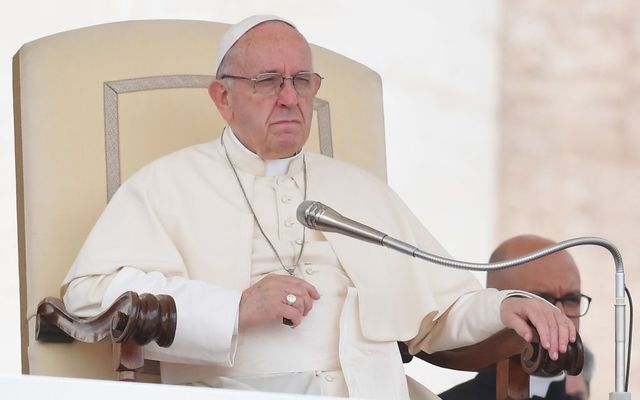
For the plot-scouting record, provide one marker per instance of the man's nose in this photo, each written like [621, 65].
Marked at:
[288, 95]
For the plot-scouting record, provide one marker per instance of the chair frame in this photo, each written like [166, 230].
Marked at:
[133, 321]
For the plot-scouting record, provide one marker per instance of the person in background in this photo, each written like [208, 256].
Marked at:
[554, 278]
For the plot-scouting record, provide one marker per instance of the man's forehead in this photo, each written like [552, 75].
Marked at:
[544, 276]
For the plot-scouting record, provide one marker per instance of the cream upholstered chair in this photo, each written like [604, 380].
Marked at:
[95, 104]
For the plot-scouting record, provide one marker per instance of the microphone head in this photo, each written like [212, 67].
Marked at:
[308, 212]
[317, 216]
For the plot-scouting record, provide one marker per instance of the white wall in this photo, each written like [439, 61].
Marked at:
[438, 62]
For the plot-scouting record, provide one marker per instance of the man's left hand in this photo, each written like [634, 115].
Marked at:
[554, 328]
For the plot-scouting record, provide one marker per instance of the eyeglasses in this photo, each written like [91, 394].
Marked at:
[574, 304]
[271, 83]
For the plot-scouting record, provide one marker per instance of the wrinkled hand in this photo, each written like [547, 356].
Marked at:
[265, 301]
[554, 328]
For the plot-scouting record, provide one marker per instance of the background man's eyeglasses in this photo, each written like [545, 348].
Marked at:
[271, 83]
[574, 304]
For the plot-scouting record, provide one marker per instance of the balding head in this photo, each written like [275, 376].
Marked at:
[556, 274]
[553, 274]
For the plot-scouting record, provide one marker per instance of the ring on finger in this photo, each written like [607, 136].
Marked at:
[291, 299]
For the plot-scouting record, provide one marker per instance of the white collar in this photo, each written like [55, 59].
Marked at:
[538, 386]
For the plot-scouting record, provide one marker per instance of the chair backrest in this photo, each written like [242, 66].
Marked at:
[95, 104]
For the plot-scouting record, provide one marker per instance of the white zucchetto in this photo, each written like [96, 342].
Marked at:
[235, 32]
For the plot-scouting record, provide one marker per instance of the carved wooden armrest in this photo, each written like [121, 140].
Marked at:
[130, 322]
[515, 358]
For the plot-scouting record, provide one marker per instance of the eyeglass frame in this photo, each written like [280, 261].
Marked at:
[284, 78]
[554, 300]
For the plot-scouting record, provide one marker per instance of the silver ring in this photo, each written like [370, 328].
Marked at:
[291, 299]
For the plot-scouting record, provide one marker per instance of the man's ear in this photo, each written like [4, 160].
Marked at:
[220, 96]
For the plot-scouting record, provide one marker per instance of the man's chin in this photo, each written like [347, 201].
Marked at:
[284, 149]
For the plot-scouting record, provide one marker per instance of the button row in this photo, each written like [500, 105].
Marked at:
[283, 180]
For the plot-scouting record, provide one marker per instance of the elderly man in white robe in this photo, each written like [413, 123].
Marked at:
[214, 226]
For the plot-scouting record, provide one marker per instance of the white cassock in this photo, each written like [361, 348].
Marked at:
[180, 226]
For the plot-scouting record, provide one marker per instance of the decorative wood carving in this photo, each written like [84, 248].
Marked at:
[515, 358]
[131, 322]
[141, 318]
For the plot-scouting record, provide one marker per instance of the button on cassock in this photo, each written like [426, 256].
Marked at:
[286, 199]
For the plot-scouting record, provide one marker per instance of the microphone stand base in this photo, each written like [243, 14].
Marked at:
[619, 396]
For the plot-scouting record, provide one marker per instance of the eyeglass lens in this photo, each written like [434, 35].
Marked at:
[305, 83]
[574, 304]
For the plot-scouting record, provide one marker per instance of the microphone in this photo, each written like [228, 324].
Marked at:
[317, 216]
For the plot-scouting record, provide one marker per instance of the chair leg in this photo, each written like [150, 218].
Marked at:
[128, 357]
[512, 383]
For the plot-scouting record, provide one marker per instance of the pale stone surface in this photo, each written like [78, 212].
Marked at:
[570, 145]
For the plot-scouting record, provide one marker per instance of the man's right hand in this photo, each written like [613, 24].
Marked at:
[265, 301]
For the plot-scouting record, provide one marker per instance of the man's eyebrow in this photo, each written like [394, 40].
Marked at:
[275, 71]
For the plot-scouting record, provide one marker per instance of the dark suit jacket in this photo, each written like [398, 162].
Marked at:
[483, 387]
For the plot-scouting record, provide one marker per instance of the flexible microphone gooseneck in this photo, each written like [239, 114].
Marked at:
[317, 216]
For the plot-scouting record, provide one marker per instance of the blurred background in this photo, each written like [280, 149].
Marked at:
[502, 118]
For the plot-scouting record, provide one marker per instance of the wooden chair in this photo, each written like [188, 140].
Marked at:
[515, 361]
[131, 322]
[93, 105]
